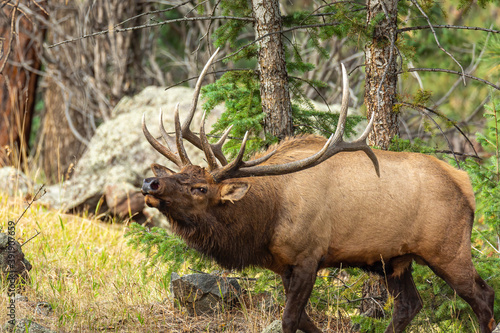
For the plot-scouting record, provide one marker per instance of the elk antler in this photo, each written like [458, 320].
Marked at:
[238, 168]
[175, 150]
[335, 144]
[190, 136]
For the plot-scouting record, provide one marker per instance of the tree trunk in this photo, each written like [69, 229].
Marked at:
[273, 76]
[17, 83]
[381, 78]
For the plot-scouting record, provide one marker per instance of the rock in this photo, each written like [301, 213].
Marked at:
[25, 326]
[119, 156]
[12, 261]
[496, 330]
[14, 182]
[44, 309]
[275, 327]
[204, 293]
[124, 200]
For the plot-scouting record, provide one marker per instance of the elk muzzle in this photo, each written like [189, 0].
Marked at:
[151, 189]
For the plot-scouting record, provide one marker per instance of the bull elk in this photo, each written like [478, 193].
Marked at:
[312, 203]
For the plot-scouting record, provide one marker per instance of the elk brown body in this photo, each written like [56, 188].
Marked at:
[328, 211]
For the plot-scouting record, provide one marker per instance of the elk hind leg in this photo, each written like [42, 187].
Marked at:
[407, 301]
[461, 275]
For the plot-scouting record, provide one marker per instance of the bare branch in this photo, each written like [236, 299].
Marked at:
[70, 121]
[447, 26]
[278, 32]
[330, 4]
[436, 38]
[451, 72]
[31, 238]
[421, 108]
[150, 25]
[152, 12]
[312, 86]
[472, 67]
[458, 154]
[33, 199]
[444, 135]
[210, 73]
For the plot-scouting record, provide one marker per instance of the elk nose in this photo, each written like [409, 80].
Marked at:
[150, 185]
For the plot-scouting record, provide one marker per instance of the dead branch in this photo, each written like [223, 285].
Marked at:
[422, 108]
[151, 13]
[151, 25]
[451, 72]
[436, 38]
[447, 26]
[472, 67]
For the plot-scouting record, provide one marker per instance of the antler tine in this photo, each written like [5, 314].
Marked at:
[158, 146]
[178, 138]
[197, 89]
[170, 141]
[252, 168]
[334, 145]
[207, 149]
[186, 131]
[223, 138]
[236, 163]
[344, 107]
[259, 160]
[358, 144]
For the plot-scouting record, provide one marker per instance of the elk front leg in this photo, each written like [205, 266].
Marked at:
[299, 282]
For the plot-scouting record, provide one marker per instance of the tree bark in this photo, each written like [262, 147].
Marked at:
[17, 84]
[381, 78]
[273, 76]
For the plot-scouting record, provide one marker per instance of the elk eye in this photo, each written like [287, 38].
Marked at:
[197, 190]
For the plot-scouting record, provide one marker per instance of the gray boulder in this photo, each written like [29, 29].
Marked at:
[204, 293]
[15, 182]
[496, 330]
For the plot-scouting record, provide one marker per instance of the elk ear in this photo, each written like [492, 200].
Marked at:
[161, 171]
[233, 191]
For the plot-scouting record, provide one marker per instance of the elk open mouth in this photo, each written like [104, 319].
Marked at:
[154, 202]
